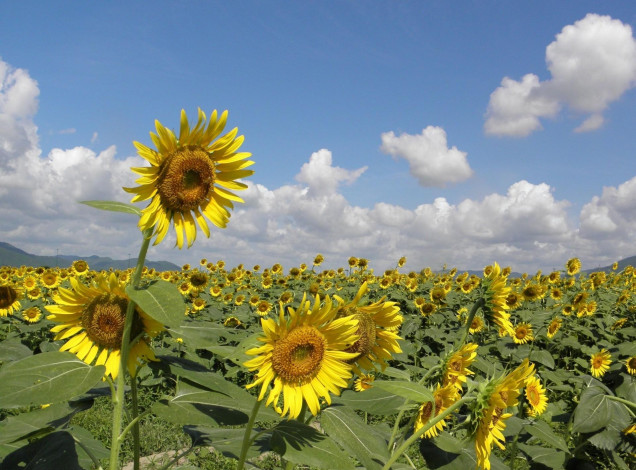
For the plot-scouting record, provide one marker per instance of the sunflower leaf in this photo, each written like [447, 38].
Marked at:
[46, 378]
[113, 206]
[410, 390]
[161, 301]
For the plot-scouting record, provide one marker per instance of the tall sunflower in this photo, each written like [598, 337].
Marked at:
[489, 412]
[303, 356]
[190, 177]
[496, 294]
[377, 322]
[92, 321]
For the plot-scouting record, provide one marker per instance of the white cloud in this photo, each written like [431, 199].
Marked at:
[526, 227]
[430, 160]
[592, 63]
[322, 178]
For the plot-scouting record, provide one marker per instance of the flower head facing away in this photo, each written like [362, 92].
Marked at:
[190, 178]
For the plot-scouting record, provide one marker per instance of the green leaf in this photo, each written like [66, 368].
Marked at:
[304, 445]
[13, 349]
[46, 378]
[412, 391]
[355, 436]
[38, 421]
[552, 458]
[593, 411]
[113, 206]
[228, 441]
[199, 334]
[542, 430]
[607, 439]
[84, 440]
[52, 452]
[375, 401]
[542, 357]
[161, 300]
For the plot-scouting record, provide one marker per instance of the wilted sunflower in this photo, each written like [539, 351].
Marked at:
[535, 394]
[496, 294]
[92, 321]
[9, 300]
[303, 356]
[377, 323]
[190, 177]
[600, 362]
[444, 397]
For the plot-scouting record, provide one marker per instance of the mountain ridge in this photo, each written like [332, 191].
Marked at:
[11, 255]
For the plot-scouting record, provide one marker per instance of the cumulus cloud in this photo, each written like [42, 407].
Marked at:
[526, 227]
[321, 177]
[429, 158]
[592, 63]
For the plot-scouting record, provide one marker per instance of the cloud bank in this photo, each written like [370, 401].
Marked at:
[592, 63]
[526, 228]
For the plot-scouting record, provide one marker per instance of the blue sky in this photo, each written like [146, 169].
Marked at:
[378, 129]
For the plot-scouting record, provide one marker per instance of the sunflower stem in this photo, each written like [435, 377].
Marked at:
[118, 401]
[469, 321]
[246, 436]
[405, 445]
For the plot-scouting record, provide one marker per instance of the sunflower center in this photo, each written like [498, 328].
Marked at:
[597, 362]
[103, 320]
[533, 396]
[521, 333]
[298, 356]
[186, 178]
[367, 334]
[8, 295]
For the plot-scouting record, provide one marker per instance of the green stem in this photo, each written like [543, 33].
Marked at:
[628, 403]
[469, 321]
[246, 436]
[118, 402]
[135, 422]
[396, 426]
[406, 444]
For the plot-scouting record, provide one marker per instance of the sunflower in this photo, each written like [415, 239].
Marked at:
[232, 322]
[80, 267]
[198, 304]
[190, 177]
[496, 294]
[9, 300]
[33, 294]
[496, 396]
[92, 321]
[554, 327]
[377, 322]
[50, 279]
[573, 266]
[630, 363]
[522, 333]
[32, 314]
[443, 397]
[456, 367]
[476, 325]
[600, 362]
[318, 259]
[29, 282]
[263, 308]
[364, 382]
[304, 356]
[535, 394]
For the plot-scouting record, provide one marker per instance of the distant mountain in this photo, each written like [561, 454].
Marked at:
[13, 256]
[622, 264]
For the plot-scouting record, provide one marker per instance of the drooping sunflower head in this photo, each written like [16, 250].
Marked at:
[377, 325]
[456, 367]
[444, 397]
[91, 319]
[304, 355]
[573, 266]
[191, 177]
[496, 292]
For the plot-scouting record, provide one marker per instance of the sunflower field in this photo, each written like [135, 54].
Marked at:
[543, 376]
[305, 368]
